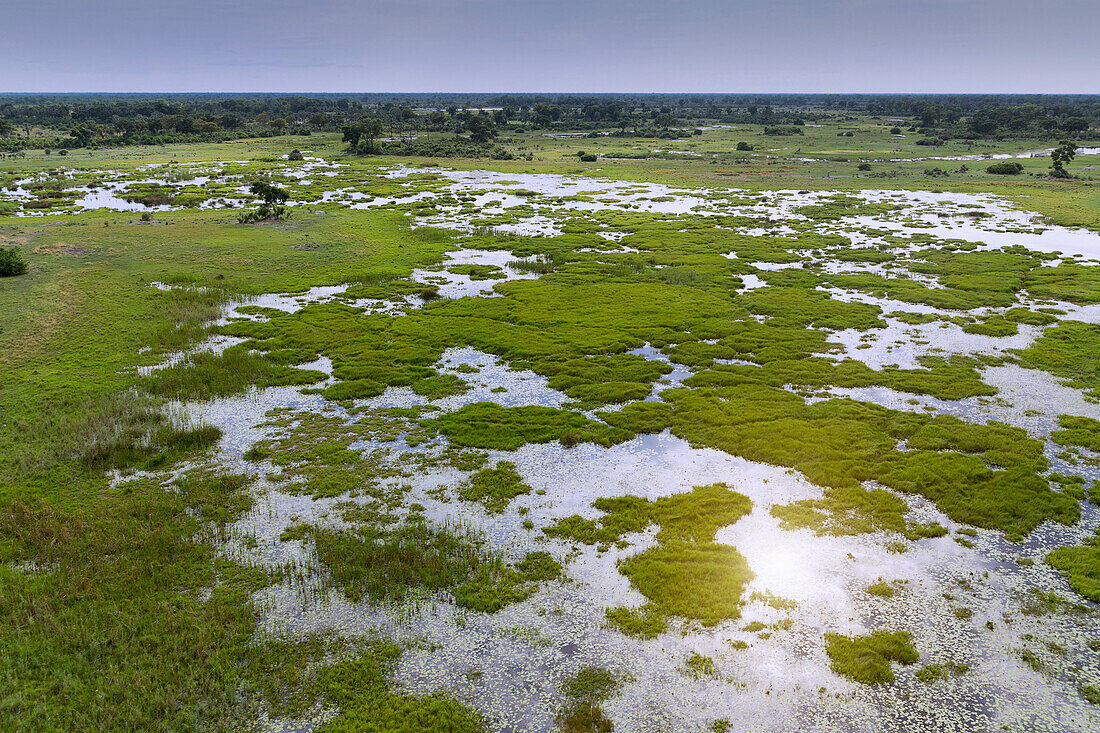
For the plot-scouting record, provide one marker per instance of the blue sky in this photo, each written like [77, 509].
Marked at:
[538, 45]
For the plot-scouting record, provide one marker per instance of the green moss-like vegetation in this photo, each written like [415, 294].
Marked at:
[1081, 566]
[882, 589]
[1079, 431]
[867, 659]
[488, 425]
[494, 487]
[686, 574]
[699, 666]
[1069, 350]
[645, 623]
[358, 688]
[985, 475]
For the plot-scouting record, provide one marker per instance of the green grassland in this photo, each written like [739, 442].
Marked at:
[116, 611]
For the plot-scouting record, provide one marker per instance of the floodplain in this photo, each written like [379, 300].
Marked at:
[692, 442]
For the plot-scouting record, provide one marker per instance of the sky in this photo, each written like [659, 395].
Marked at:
[754, 46]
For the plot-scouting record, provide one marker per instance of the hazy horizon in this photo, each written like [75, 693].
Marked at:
[497, 47]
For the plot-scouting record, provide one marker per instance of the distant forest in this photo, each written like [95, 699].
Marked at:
[97, 120]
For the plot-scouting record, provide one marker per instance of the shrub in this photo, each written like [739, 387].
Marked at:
[295, 155]
[588, 158]
[1005, 168]
[895, 130]
[743, 146]
[11, 263]
[864, 166]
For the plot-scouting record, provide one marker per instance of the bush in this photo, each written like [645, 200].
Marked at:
[295, 155]
[11, 263]
[864, 166]
[588, 158]
[743, 146]
[1005, 168]
[895, 130]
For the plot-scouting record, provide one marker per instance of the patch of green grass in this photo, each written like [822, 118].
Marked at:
[644, 623]
[205, 375]
[686, 574]
[488, 425]
[385, 563]
[494, 487]
[1081, 566]
[1079, 431]
[867, 658]
[931, 673]
[122, 588]
[584, 693]
[882, 589]
[984, 475]
[1069, 351]
[699, 666]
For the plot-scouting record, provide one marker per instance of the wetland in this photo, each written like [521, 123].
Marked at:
[636, 444]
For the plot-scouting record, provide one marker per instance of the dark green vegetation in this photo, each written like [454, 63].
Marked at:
[584, 692]
[867, 659]
[11, 262]
[384, 565]
[85, 120]
[686, 574]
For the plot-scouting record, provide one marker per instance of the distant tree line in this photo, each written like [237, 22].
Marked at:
[62, 121]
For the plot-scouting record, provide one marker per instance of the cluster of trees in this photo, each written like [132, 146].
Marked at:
[83, 120]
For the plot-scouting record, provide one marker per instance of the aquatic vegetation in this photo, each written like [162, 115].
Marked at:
[1079, 431]
[584, 692]
[867, 658]
[882, 589]
[985, 475]
[1068, 350]
[931, 673]
[686, 574]
[699, 666]
[1081, 566]
[494, 487]
[385, 563]
[488, 425]
[206, 375]
[358, 688]
[644, 623]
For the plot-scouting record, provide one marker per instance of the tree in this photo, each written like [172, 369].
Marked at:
[366, 129]
[5, 127]
[1064, 153]
[352, 133]
[272, 206]
[482, 129]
